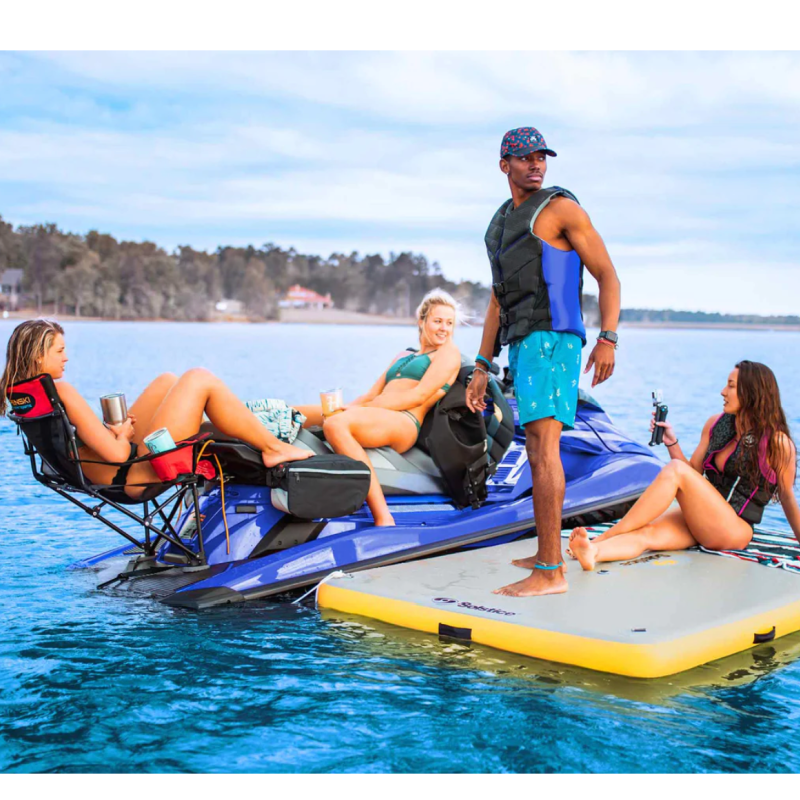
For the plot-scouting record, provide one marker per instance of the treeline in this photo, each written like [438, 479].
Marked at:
[95, 275]
[668, 315]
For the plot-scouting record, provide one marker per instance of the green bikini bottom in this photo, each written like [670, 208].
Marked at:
[412, 417]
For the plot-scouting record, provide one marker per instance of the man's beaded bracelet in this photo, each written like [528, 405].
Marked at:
[483, 361]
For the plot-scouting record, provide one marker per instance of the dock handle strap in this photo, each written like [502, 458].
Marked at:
[760, 638]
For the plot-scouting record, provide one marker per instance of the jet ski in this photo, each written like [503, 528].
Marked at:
[249, 547]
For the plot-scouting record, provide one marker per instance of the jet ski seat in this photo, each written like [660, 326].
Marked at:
[410, 473]
[413, 473]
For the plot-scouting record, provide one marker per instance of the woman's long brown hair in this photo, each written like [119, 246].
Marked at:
[761, 418]
[29, 341]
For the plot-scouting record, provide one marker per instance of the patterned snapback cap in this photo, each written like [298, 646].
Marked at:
[522, 142]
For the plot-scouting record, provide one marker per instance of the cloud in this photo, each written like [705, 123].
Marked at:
[688, 163]
[634, 91]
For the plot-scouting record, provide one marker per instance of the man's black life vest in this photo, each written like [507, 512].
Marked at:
[746, 498]
[537, 286]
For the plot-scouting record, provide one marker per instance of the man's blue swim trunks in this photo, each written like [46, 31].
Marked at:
[545, 366]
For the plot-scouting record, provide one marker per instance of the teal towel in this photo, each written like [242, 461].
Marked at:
[280, 419]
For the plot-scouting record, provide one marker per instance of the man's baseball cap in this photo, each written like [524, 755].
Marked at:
[523, 142]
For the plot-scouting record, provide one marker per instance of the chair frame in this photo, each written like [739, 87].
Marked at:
[156, 517]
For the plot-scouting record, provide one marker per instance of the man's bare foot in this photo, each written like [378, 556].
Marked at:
[530, 562]
[540, 582]
[283, 453]
[584, 549]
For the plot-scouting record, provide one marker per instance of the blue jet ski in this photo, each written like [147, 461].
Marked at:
[221, 528]
[255, 549]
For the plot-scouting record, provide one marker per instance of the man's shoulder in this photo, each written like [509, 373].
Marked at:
[565, 206]
[563, 198]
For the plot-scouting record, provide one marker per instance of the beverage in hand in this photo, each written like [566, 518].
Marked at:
[331, 402]
[115, 408]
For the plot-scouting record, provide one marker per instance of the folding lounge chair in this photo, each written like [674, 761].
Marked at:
[50, 443]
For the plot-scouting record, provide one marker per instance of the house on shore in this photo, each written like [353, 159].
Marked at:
[300, 297]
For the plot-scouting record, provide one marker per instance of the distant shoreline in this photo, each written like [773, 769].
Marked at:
[289, 316]
[733, 326]
[336, 316]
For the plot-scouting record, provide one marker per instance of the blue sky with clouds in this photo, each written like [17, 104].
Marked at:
[688, 163]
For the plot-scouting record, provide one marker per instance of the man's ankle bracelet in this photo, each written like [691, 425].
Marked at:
[542, 565]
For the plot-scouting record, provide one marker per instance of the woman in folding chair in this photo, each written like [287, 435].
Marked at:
[177, 403]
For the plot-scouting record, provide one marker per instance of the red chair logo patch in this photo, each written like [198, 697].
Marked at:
[22, 403]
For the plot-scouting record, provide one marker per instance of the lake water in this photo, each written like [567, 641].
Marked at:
[92, 682]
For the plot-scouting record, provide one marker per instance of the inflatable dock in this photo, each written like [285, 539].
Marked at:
[653, 616]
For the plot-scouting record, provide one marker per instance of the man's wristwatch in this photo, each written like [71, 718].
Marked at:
[609, 336]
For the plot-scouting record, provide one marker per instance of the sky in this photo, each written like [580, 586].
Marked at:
[687, 162]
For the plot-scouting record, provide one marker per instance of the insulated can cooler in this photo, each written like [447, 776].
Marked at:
[331, 402]
[159, 441]
[115, 408]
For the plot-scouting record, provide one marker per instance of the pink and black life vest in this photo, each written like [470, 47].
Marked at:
[746, 498]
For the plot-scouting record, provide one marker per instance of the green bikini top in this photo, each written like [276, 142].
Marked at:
[413, 366]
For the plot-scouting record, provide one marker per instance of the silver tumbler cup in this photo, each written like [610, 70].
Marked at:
[115, 409]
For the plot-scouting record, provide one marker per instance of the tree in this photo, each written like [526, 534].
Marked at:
[41, 246]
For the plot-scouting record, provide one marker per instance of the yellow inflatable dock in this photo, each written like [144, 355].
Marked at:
[656, 615]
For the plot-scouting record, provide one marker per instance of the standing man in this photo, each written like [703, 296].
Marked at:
[538, 242]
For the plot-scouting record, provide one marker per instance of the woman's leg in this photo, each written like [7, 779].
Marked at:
[181, 412]
[313, 415]
[705, 517]
[350, 432]
[142, 411]
[668, 532]
[673, 480]
[147, 403]
[655, 500]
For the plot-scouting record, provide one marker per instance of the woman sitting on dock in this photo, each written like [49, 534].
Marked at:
[746, 457]
[390, 414]
[37, 346]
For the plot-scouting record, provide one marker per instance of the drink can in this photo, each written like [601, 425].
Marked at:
[159, 441]
[115, 408]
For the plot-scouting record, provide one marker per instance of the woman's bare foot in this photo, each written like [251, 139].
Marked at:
[384, 521]
[540, 582]
[282, 453]
[574, 533]
[530, 562]
[585, 550]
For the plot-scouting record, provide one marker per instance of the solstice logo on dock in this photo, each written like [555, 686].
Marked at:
[473, 607]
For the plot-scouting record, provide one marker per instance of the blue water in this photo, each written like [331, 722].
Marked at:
[96, 682]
